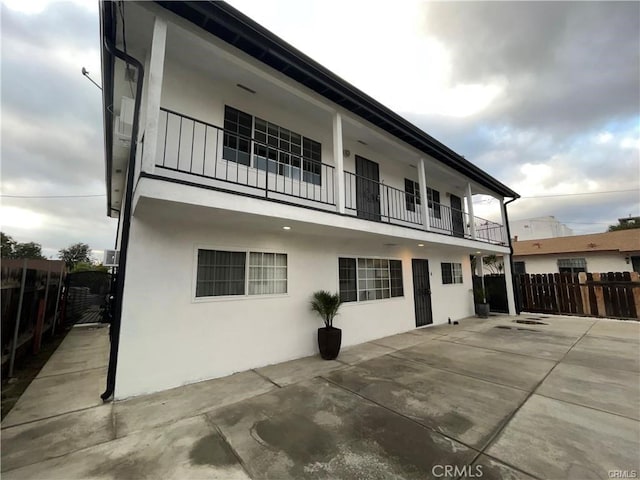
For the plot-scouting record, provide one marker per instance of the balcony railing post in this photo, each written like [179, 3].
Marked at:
[266, 179]
[387, 201]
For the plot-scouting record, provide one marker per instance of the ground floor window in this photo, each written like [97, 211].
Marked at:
[572, 265]
[451, 273]
[362, 279]
[224, 273]
[519, 268]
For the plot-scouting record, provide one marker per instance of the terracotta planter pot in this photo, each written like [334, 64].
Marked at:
[329, 341]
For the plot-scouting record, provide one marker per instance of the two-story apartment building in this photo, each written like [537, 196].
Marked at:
[246, 176]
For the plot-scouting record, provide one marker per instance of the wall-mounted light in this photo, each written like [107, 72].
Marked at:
[627, 259]
[245, 88]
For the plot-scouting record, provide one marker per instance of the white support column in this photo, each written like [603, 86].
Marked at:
[508, 278]
[338, 160]
[424, 200]
[154, 91]
[472, 218]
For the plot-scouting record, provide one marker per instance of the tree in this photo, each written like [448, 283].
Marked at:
[13, 249]
[8, 245]
[28, 250]
[493, 263]
[74, 254]
[625, 224]
[89, 267]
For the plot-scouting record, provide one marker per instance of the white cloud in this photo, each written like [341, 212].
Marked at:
[21, 218]
[604, 137]
[382, 51]
[34, 7]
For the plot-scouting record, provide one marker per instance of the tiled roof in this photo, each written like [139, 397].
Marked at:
[620, 241]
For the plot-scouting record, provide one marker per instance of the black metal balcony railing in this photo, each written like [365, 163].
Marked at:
[188, 145]
[373, 200]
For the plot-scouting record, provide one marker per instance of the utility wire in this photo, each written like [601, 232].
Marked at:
[584, 193]
[52, 196]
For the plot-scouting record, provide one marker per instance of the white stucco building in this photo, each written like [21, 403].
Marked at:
[538, 227]
[245, 176]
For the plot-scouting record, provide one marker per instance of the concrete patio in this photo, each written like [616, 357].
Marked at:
[495, 398]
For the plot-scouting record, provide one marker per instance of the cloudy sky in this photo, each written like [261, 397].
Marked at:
[545, 96]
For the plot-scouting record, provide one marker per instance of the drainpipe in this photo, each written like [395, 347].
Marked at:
[513, 283]
[126, 223]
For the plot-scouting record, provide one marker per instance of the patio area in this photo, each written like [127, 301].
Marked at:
[484, 399]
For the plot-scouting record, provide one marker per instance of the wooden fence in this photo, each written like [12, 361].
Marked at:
[613, 295]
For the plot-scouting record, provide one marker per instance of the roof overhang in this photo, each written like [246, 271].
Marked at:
[107, 31]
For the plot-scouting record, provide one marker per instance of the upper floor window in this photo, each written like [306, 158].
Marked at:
[277, 150]
[364, 279]
[572, 265]
[451, 273]
[433, 201]
[412, 194]
[237, 136]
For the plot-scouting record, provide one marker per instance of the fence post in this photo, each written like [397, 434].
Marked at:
[14, 345]
[55, 311]
[599, 291]
[635, 288]
[46, 299]
[584, 293]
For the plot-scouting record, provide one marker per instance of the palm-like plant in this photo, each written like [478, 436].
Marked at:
[327, 305]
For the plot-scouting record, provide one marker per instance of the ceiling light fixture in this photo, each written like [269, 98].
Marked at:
[421, 244]
[361, 142]
[286, 228]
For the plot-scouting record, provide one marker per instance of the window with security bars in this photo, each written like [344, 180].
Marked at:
[237, 136]
[365, 279]
[572, 265]
[451, 273]
[220, 273]
[267, 273]
[287, 153]
[519, 268]
[348, 279]
[224, 273]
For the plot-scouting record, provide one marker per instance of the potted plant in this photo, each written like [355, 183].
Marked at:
[329, 337]
[481, 304]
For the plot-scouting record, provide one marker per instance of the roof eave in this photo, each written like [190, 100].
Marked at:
[107, 27]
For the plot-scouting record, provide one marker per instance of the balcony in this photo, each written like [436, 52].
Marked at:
[208, 155]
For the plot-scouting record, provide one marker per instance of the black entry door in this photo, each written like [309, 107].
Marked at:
[367, 189]
[457, 218]
[422, 292]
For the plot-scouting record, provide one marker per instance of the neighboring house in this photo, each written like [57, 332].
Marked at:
[538, 227]
[617, 251]
[260, 177]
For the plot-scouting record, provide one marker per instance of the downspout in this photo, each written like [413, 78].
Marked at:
[513, 283]
[126, 222]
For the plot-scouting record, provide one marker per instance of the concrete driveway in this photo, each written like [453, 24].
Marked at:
[484, 399]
